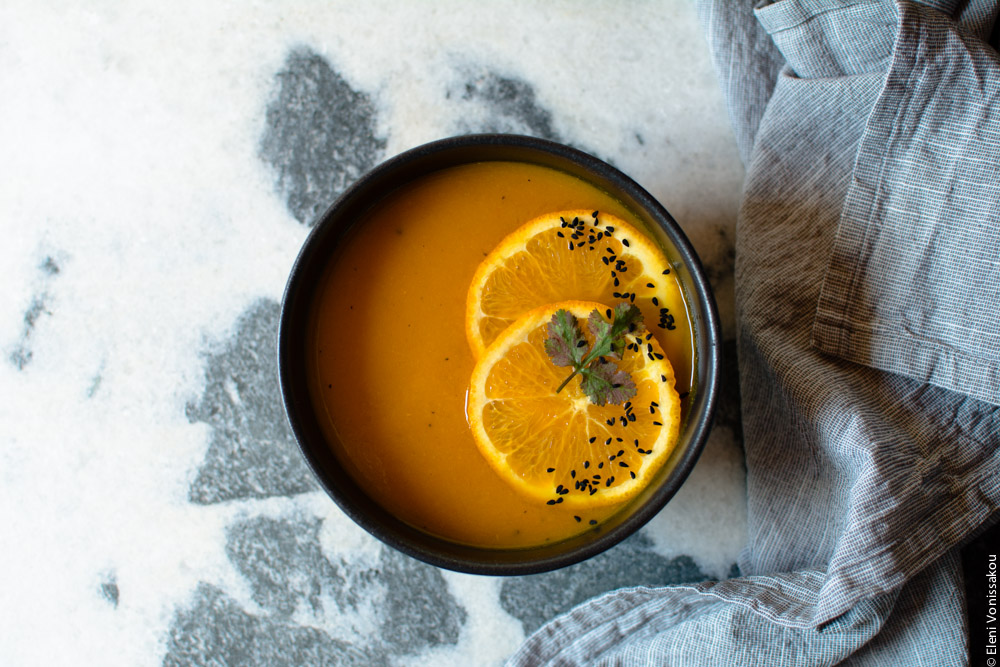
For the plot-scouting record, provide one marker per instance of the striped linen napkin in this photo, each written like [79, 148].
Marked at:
[868, 313]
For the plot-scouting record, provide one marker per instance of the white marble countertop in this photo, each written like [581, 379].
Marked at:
[160, 165]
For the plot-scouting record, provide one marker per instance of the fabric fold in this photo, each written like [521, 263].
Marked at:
[914, 280]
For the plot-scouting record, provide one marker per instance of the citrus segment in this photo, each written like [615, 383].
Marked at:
[561, 447]
[576, 254]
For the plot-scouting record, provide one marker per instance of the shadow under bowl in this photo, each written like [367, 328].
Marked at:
[298, 302]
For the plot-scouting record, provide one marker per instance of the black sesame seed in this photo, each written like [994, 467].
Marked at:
[632, 473]
[659, 356]
[572, 474]
[550, 502]
[559, 500]
[560, 235]
[593, 522]
[600, 465]
[570, 245]
[625, 243]
[609, 229]
[586, 464]
[666, 271]
[620, 452]
[656, 302]
[578, 519]
[608, 441]
[593, 438]
[594, 214]
[663, 378]
[622, 464]
[605, 260]
[550, 470]
[608, 313]
[657, 424]
[593, 490]
[650, 285]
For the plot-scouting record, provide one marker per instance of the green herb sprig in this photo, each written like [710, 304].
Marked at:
[601, 380]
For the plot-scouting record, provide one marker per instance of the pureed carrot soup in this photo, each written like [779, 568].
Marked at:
[393, 363]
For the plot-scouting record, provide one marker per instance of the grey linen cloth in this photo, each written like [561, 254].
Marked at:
[868, 289]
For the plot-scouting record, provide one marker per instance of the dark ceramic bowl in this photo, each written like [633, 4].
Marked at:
[295, 313]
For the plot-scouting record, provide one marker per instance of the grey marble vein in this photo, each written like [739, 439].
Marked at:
[321, 134]
[22, 352]
[252, 452]
[215, 630]
[503, 104]
[535, 599]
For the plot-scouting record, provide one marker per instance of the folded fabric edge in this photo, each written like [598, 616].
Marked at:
[924, 360]
[625, 618]
[895, 346]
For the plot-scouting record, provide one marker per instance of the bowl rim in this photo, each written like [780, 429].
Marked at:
[394, 532]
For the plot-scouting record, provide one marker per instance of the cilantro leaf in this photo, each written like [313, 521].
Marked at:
[605, 383]
[601, 380]
[565, 345]
[609, 337]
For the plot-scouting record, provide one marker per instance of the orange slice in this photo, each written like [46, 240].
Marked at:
[576, 254]
[561, 447]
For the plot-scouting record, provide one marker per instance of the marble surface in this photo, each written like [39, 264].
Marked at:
[161, 164]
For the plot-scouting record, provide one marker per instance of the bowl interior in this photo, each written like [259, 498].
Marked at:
[322, 245]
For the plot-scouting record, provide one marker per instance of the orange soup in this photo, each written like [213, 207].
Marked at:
[391, 364]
